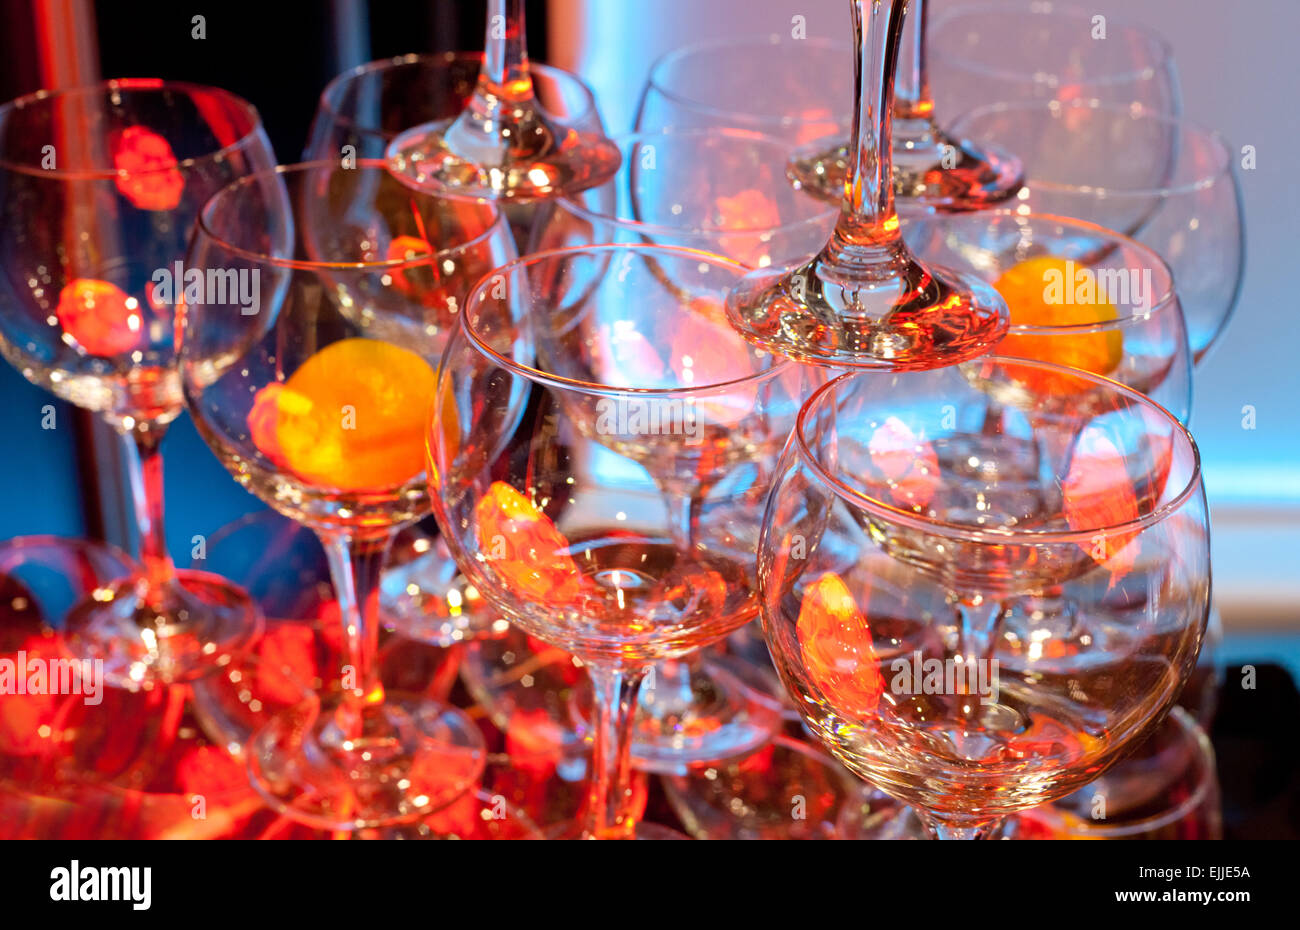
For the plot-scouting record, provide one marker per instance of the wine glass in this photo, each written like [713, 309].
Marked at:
[903, 526]
[864, 301]
[368, 106]
[504, 144]
[316, 404]
[102, 185]
[620, 524]
[722, 191]
[766, 84]
[987, 53]
[359, 114]
[1079, 296]
[1167, 789]
[717, 190]
[1164, 181]
[931, 168]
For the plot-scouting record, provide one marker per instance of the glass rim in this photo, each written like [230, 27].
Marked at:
[998, 535]
[131, 85]
[1221, 169]
[204, 226]
[655, 78]
[443, 59]
[13, 549]
[1203, 751]
[574, 206]
[780, 365]
[1050, 9]
[1168, 292]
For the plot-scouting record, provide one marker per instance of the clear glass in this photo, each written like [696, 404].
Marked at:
[102, 185]
[316, 403]
[914, 520]
[1166, 790]
[774, 85]
[618, 520]
[503, 144]
[983, 53]
[931, 168]
[864, 301]
[1163, 181]
[1079, 296]
[721, 191]
[787, 790]
[359, 114]
[717, 190]
[371, 105]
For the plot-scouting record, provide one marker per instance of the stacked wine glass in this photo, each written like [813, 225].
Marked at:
[554, 422]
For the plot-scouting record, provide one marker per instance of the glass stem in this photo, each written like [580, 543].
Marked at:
[355, 566]
[505, 53]
[867, 216]
[978, 618]
[912, 98]
[145, 472]
[944, 828]
[609, 798]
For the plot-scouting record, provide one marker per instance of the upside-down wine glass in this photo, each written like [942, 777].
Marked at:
[504, 145]
[901, 525]
[931, 168]
[865, 301]
[101, 185]
[621, 523]
[317, 405]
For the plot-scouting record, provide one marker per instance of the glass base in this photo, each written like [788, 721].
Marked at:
[874, 815]
[931, 170]
[442, 157]
[788, 790]
[189, 629]
[716, 709]
[644, 831]
[424, 597]
[868, 308]
[415, 757]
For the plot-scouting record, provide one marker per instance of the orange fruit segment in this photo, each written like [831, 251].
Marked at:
[1027, 287]
[352, 417]
[148, 176]
[525, 548]
[100, 316]
[837, 648]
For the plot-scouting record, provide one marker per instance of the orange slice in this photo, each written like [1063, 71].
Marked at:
[352, 417]
[1026, 287]
[100, 316]
[837, 648]
[525, 548]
